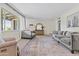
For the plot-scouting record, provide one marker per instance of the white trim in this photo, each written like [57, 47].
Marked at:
[15, 9]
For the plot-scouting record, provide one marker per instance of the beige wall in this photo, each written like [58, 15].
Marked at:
[48, 24]
[64, 21]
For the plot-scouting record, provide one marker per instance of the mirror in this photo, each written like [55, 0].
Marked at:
[9, 21]
[39, 26]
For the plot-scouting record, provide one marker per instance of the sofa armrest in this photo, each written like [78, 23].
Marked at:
[9, 39]
[33, 31]
[7, 44]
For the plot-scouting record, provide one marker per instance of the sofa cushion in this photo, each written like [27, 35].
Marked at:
[66, 41]
[60, 32]
[28, 32]
[62, 36]
[55, 32]
[65, 33]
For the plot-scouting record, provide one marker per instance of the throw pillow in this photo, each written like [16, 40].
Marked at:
[68, 34]
[65, 33]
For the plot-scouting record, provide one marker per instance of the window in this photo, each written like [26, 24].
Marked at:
[7, 25]
[59, 25]
[9, 21]
[39, 26]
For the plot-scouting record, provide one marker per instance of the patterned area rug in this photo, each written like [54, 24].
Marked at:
[45, 46]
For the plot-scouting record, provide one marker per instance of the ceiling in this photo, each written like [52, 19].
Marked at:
[44, 10]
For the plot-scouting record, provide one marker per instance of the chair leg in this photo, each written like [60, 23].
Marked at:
[72, 51]
[58, 42]
[18, 52]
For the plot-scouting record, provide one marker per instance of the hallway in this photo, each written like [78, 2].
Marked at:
[45, 46]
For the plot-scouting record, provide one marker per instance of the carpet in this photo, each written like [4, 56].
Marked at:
[45, 46]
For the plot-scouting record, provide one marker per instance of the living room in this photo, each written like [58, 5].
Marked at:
[39, 29]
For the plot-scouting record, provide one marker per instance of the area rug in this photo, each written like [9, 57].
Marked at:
[45, 46]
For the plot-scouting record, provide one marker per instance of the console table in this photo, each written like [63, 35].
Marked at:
[39, 32]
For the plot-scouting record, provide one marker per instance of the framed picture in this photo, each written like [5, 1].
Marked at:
[73, 20]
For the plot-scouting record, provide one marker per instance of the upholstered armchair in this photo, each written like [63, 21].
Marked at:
[8, 47]
[27, 34]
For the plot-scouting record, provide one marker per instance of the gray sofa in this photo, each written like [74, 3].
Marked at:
[26, 34]
[68, 39]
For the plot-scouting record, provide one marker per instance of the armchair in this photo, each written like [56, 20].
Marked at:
[9, 47]
[27, 34]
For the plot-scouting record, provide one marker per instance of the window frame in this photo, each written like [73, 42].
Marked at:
[15, 26]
